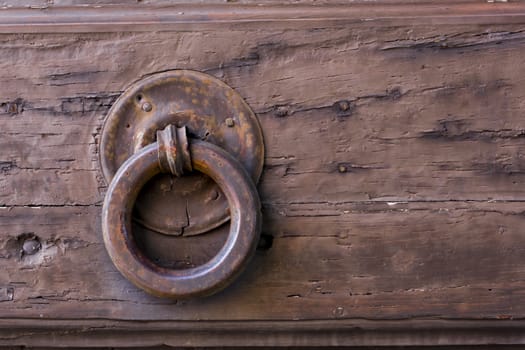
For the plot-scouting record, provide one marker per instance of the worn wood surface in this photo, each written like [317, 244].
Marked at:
[89, 16]
[393, 184]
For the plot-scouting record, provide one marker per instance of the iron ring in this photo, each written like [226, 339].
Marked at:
[202, 280]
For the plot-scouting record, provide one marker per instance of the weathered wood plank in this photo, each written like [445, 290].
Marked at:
[373, 261]
[232, 4]
[388, 116]
[72, 16]
[266, 334]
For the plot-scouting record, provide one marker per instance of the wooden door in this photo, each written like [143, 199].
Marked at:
[391, 191]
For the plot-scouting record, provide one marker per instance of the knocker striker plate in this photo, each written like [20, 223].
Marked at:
[212, 112]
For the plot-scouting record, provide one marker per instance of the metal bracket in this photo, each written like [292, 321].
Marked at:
[174, 155]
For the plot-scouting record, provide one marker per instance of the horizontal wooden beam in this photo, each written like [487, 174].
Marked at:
[75, 333]
[201, 16]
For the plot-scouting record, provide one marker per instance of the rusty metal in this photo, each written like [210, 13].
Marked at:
[212, 112]
[239, 247]
[173, 152]
[343, 106]
[230, 122]
[147, 107]
[31, 246]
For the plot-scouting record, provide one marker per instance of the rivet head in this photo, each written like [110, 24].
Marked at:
[281, 111]
[230, 122]
[31, 246]
[344, 106]
[147, 107]
[339, 311]
[12, 108]
[342, 169]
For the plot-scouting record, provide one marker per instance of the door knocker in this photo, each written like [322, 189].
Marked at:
[181, 122]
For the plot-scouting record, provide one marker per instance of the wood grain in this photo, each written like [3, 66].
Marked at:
[42, 16]
[392, 188]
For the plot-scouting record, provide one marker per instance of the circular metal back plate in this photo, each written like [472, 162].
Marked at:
[211, 111]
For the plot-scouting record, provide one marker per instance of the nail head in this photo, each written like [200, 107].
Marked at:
[230, 122]
[31, 246]
[344, 106]
[147, 107]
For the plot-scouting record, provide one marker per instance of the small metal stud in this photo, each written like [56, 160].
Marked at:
[344, 106]
[31, 246]
[281, 111]
[230, 122]
[147, 107]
